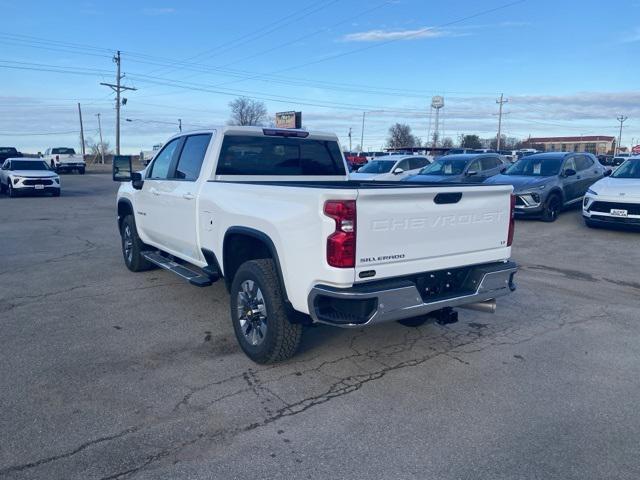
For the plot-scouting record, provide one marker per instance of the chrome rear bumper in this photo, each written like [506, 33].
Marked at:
[397, 299]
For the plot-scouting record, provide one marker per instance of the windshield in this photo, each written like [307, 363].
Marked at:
[63, 151]
[445, 167]
[28, 165]
[629, 169]
[378, 166]
[10, 150]
[536, 167]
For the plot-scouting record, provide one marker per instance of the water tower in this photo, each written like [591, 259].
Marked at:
[437, 102]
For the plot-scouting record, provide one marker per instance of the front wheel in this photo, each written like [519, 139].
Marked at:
[81, 171]
[132, 246]
[259, 314]
[552, 209]
[10, 191]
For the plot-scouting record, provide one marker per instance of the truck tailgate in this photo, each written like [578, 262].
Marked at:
[409, 230]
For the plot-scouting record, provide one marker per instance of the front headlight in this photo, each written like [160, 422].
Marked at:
[15, 179]
[592, 192]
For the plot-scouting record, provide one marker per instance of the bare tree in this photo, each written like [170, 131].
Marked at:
[447, 142]
[94, 147]
[245, 111]
[400, 136]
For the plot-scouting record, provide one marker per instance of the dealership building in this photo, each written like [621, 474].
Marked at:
[596, 144]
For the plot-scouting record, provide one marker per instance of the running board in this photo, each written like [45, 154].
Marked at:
[192, 276]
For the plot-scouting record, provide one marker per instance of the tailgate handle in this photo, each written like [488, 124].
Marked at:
[444, 198]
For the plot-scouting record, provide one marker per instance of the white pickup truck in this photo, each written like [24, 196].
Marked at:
[273, 213]
[64, 159]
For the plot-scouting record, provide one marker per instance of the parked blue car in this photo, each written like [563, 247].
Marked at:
[465, 168]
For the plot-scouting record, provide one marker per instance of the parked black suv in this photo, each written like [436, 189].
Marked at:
[8, 152]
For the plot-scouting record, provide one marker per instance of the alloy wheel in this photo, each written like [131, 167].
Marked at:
[252, 313]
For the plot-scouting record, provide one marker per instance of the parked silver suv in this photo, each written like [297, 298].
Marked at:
[545, 183]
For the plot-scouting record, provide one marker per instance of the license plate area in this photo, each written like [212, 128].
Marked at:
[618, 212]
[444, 283]
[39, 187]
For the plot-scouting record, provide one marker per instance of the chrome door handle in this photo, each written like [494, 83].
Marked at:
[188, 196]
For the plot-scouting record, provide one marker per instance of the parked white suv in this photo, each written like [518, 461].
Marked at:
[390, 167]
[64, 159]
[273, 213]
[28, 175]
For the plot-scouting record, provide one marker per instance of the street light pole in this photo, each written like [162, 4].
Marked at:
[362, 133]
[621, 119]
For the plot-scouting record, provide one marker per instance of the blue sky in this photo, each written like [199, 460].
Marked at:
[567, 68]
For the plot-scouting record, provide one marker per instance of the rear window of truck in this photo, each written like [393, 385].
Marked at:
[251, 155]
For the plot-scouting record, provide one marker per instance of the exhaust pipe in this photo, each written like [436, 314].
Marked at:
[488, 306]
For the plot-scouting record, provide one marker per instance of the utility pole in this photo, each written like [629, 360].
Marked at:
[362, 134]
[180, 125]
[101, 144]
[81, 130]
[501, 102]
[350, 138]
[117, 88]
[621, 119]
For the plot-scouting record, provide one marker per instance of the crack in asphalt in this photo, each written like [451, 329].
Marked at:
[84, 446]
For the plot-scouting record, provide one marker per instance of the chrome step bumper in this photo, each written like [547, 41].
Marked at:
[397, 299]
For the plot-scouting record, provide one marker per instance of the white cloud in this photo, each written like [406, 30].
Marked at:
[382, 35]
[158, 11]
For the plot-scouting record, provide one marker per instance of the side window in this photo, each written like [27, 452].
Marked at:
[162, 162]
[474, 167]
[489, 163]
[404, 165]
[418, 162]
[195, 146]
[570, 163]
[584, 162]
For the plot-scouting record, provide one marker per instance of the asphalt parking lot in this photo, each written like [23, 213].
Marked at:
[106, 374]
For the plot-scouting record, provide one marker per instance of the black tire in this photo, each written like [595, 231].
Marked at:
[552, 208]
[132, 246]
[2, 187]
[415, 321]
[81, 171]
[10, 191]
[55, 193]
[256, 290]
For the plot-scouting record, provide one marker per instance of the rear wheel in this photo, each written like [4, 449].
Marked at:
[259, 314]
[552, 209]
[132, 246]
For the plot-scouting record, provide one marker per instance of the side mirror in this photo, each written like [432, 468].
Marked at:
[607, 173]
[122, 168]
[471, 173]
[136, 180]
[503, 169]
[398, 171]
[569, 172]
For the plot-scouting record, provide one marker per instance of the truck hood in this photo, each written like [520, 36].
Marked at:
[519, 182]
[614, 187]
[34, 173]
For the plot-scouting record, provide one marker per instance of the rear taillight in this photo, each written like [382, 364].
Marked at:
[512, 221]
[341, 244]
